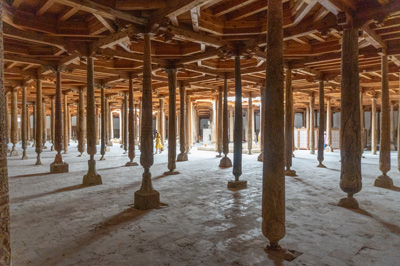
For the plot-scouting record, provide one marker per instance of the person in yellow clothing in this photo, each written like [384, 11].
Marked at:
[158, 142]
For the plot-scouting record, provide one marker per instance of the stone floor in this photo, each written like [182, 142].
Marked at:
[55, 221]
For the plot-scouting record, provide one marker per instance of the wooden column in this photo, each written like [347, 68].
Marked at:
[231, 125]
[14, 122]
[312, 124]
[328, 126]
[374, 133]
[219, 125]
[24, 122]
[81, 122]
[109, 124]
[5, 247]
[273, 198]
[225, 161]
[65, 136]
[362, 121]
[38, 121]
[392, 127]
[237, 145]
[132, 125]
[321, 127]
[52, 122]
[125, 123]
[171, 121]
[350, 128]
[44, 121]
[8, 120]
[262, 124]
[289, 124]
[187, 122]
[147, 197]
[34, 124]
[58, 166]
[161, 121]
[103, 142]
[28, 125]
[182, 156]
[91, 178]
[250, 126]
[384, 151]
[98, 117]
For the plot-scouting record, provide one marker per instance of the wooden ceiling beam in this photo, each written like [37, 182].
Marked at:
[69, 12]
[45, 7]
[304, 11]
[229, 7]
[128, 5]
[115, 38]
[197, 37]
[109, 24]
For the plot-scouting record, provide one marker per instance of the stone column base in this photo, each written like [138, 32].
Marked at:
[261, 157]
[321, 165]
[13, 152]
[171, 173]
[237, 184]
[182, 157]
[102, 158]
[107, 149]
[58, 168]
[290, 172]
[349, 202]
[147, 200]
[109, 143]
[52, 148]
[131, 164]
[24, 156]
[92, 178]
[225, 162]
[384, 181]
[328, 149]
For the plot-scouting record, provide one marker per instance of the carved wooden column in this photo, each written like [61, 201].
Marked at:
[182, 156]
[362, 121]
[5, 247]
[147, 197]
[374, 133]
[8, 120]
[52, 122]
[219, 124]
[28, 125]
[231, 131]
[171, 121]
[262, 124]
[273, 198]
[321, 127]
[97, 126]
[91, 178]
[328, 147]
[81, 125]
[312, 124]
[24, 122]
[307, 111]
[44, 136]
[289, 124]
[103, 124]
[14, 122]
[140, 123]
[161, 122]
[250, 125]
[350, 128]
[65, 136]
[135, 123]
[34, 124]
[125, 127]
[58, 166]
[392, 127]
[132, 125]
[109, 124]
[384, 151]
[188, 122]
[225, 161]
[39, 120]
[237, 145]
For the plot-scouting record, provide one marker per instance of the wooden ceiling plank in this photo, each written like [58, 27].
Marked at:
[16, 3]
[106, 23]
[68, 13]
[45, 7]
[304, 11]
[128, 5]
[229, 7]
[195, 15]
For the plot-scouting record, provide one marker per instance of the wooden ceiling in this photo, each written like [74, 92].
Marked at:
[199, 38]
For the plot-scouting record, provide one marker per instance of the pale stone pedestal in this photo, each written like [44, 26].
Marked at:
[58, 168]
[384, 181]
[241, 184]
[107, 149]
[92, 178]
[261, 157]
[328, 149]
[147, 200]
[109, 143]
[182, 157]
[225, 162]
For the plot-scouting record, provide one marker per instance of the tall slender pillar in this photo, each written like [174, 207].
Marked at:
[328, 126]
[350, 128]
[24, 123]
[187, 122]
[44, 136]
[8, 121]
[14, 122]
[250, 125]
[362, 121]
[121, 126]
[136, 127]
[39, 123]
[219, 125]
[97, 126]
[392, 127]
[65, 136]
[307, 111]
[374, 133]
[58, 166]
[321, 127]
[161, 121]
[28, 125]
[171, 121]
[182, 156]
[91, 178]
[34, 124]
[52, 122]
[110, 122]
[262, 124]
[384, 151]
[125, 127]
[289, 124]
[231, 125]
[312, 124]
[81, 122]
[103, 124]
[132, 125]
[147, 197]
[225, 161]
[140, 122]
[5, 247]
[398, 133]
[237, 145]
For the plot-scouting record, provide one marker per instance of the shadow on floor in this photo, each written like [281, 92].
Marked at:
[30, 197]
[392, 227]
[332, 169]
[30, 175]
